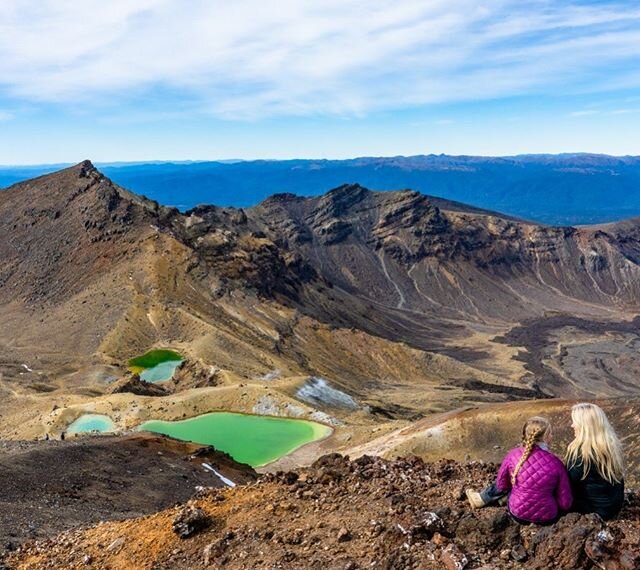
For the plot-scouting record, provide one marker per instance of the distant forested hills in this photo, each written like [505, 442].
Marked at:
[556, 189]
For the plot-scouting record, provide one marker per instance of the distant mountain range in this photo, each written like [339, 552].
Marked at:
[565, 189]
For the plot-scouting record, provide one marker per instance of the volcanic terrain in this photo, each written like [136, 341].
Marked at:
[339, 514]
[408, 303]
[410, 324]
[402, 303]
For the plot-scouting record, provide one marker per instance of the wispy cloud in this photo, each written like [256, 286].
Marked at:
[247, 59]
[590, 112]
[5, 116]
[585, 113]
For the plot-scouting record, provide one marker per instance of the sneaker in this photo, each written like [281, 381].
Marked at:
[475, 499]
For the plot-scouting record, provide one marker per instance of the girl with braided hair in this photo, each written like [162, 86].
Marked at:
[534, 478]
[595, 462]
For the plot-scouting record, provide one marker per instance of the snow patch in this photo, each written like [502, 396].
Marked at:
[318, 392]
[227, 482]
[273, 375]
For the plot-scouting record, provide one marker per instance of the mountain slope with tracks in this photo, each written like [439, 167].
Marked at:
[405, 302]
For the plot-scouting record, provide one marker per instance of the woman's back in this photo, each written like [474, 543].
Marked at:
[593, 493]
[595, 451]
[542, 486]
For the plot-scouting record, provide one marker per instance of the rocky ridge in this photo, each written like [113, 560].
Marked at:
[342, 514]
[404, 301]
[50, 486]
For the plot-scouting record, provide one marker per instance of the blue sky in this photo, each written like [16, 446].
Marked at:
[207, 79]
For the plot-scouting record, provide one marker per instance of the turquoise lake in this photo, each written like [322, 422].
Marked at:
[255, 440]
[92, 422]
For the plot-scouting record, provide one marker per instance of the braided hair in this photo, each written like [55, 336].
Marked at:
[533, 432]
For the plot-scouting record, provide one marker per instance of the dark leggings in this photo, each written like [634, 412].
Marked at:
[524, 522]
[491, 494]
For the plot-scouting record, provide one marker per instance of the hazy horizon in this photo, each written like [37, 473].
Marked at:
[303, 158]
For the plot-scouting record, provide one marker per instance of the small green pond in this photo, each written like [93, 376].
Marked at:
[156, 365]
[256, 440]
[87, 423]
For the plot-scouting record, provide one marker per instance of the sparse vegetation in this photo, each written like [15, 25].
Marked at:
[154, 357]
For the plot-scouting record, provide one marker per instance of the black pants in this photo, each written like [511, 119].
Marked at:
[524, 522]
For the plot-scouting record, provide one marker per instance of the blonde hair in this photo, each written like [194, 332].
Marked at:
[533, 431]
[596, 443]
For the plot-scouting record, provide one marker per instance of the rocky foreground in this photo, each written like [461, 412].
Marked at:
[367, 513]
[47, 487]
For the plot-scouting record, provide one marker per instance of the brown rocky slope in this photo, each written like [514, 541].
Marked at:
[50, 486]
[486, 432]
[317, 286]
[367, 513]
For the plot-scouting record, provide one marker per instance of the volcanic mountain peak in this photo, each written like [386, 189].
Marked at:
[400, 266]
[65, 186]
[63, 183]
[86, 168]
[351, 193]
[280, 198]
[57, 230]
[355, 204]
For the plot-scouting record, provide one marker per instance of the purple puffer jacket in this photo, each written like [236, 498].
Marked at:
[542, 487]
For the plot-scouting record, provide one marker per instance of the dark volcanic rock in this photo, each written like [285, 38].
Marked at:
[190, 521]
[51, 486]
[358, 514]
[134, 385]
[563, 544]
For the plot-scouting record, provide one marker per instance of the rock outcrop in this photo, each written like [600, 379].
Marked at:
[134, 385]
[51, 486]
[352, 514]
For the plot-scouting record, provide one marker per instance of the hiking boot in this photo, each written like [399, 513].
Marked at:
[475, 499]
[503, 501]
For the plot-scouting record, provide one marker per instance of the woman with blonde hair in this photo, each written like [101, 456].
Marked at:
[595, 463]
[535, 479]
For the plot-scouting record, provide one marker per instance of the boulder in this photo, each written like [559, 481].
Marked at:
[190, 521]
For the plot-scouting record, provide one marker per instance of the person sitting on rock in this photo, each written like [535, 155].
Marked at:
[595, 463]
[535, 480]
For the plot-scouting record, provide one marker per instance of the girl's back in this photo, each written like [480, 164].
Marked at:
[541, 489]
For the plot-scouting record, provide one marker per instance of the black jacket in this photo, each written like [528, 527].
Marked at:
[594, 494]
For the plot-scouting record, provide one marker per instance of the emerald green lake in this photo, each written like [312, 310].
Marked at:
[156, 365]
[256, 440]
[91, 422]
